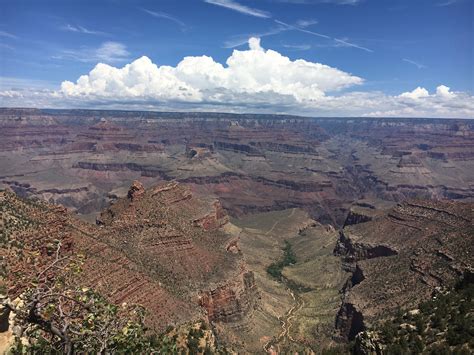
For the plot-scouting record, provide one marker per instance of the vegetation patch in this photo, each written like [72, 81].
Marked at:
[442, 325]
[289, 258]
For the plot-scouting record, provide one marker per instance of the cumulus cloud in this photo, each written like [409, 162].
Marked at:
[140, 79]
[10, 94]
[444, 92]
[420, 103]
[415, 94]
[252, 80]
[254, 71]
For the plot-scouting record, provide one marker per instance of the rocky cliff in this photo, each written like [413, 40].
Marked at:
[146, 248]
[401, 258]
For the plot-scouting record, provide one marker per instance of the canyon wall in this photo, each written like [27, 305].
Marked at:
[401, 258]
[145, 249]
[253, 163]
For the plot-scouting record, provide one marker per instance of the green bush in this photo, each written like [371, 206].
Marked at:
[445, 325]
[289, 258]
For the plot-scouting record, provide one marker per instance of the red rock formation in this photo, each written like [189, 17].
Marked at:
[231, 302]
[135, 190]
[214, 220]
[147, 250]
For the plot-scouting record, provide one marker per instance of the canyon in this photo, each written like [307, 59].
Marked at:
[184, 213]
[253, 163]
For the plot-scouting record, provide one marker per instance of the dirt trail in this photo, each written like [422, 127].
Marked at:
[278, 221]
[285, 320]
[273, 344]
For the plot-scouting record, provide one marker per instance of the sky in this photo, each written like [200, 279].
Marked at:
[383, 58]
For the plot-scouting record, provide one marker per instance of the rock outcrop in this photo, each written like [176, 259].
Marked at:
[135, 190]
[232, 302]
[147, 248]
[401, 258]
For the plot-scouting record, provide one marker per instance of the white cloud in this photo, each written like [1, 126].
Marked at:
[111, 51]
[240, 40]
[10, 94]
[420, 66]
[337, 2]
[166, 16]
[415, 94]
[296, 28]
[447, 3]
[338, 42]
[7, 35]
[140, 80]
[444, 92]
[420, 103]
[107, 52]
[254, 71]
[253, 80]
[235, 6]
[297, 47]
[344, 43]
[80, 29]
[300, 26]
[254, 44]
[6, 46]
[306, 23]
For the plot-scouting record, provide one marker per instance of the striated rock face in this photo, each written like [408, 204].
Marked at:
[144, 170]
[400, 258]
[238, 148]
[363, 211]
[252, 163]
[146, 249]
[354, 217]
[231, 302]
[409, 161]
[135, 190]
[213, 220]
[356, 251]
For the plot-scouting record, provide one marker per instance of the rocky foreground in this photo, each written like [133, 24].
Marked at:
[175, 252]
[161, 248]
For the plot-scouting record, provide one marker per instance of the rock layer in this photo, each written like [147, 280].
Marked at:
[146, 249]
[253, 163]
[401, 258]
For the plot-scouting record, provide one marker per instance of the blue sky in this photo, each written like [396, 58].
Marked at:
[393, 46]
